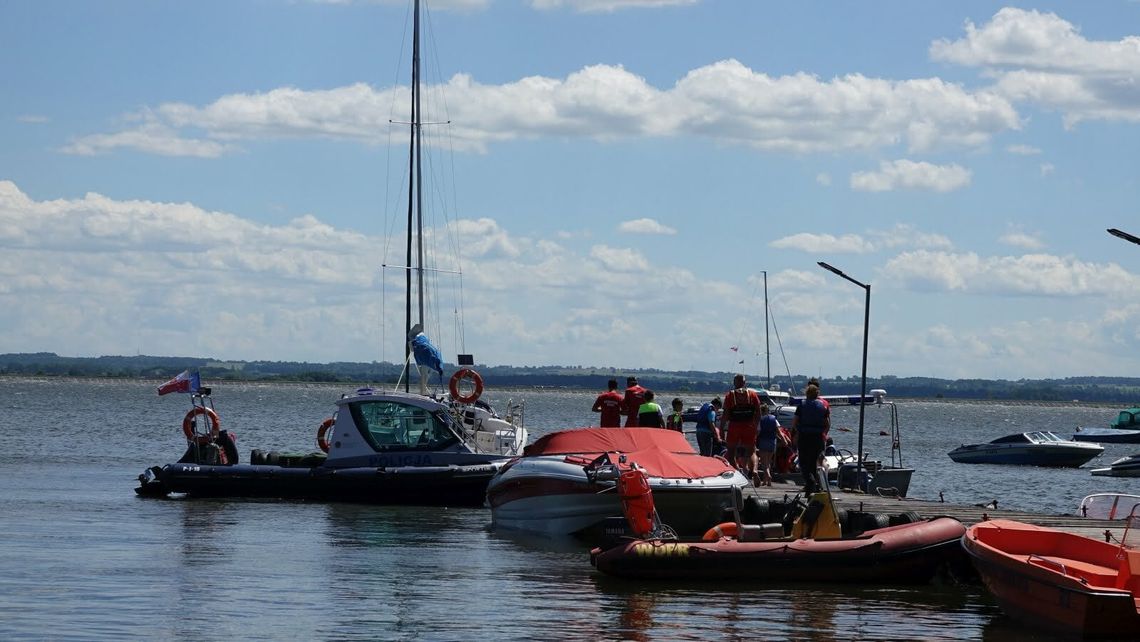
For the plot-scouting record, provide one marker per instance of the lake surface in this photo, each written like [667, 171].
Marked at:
[83, 558]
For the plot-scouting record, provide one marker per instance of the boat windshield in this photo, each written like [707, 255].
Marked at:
[395, 426]
[1019, 438]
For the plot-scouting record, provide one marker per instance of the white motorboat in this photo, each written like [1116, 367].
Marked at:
[383, 447]
[1039, 448]
[566, 482]
[1124, 467]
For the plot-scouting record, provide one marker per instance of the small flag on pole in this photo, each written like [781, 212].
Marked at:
[186, 381]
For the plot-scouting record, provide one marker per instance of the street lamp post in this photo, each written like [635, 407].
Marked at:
[1124, 235]
[863, 393]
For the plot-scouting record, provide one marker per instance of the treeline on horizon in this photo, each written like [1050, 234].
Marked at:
[1125, 390]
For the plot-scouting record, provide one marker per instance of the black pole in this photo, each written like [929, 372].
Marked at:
[866, 329]
[767, 349]
[863, 394]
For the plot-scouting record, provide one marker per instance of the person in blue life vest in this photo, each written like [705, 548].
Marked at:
[766, 444]
[676, 419]
[649, 414]
[809, 433]
[708, 435]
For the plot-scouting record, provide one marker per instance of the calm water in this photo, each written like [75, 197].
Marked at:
[83, 558]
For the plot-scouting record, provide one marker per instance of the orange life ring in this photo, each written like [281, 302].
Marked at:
[727, 529]
[460, 375]
[188, 425]
[323, 433]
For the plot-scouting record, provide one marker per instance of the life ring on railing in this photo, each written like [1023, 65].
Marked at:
[188, 425]
[727, 529]
[460, 375]
[323, 433]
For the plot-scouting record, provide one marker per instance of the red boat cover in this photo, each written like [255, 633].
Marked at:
[662, 453]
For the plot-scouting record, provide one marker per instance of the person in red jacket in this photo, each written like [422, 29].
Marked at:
[610, 404]
[742, 414]
[634, 397]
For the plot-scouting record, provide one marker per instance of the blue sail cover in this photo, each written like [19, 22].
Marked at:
[426, 354]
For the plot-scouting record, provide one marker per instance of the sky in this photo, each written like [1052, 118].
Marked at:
[608, 183]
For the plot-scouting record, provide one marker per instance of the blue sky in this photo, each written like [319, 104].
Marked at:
[222, 178]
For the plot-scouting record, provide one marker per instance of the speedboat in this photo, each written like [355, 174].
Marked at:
[1124, 467]
[1058, 581]
[1107, 435]
[1029, 449]
[1108, 506]
[382, 447]
[565, 484]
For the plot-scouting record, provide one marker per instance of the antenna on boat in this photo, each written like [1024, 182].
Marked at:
[767, 346]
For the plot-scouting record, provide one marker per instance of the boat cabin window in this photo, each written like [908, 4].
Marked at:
[395, 426]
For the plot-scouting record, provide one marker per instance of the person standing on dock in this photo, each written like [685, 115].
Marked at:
[676, 420]
[766, 443]
[609, 403]
[809, 430]
[707, 433]
[634, 397]
[742, 414]
[649, 414]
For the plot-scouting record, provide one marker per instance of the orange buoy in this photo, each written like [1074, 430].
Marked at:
[188, 425]
[726, 529]
[460, 375]
[323, 433]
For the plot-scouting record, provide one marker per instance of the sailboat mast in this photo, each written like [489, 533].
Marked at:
[415, 198]
[417, 125]
[767, 349]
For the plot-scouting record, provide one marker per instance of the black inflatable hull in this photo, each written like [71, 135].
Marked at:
[433, 486]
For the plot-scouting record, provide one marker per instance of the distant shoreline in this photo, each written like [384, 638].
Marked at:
[691, 397]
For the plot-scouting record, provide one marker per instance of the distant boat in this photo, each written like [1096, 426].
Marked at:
[1127, 420]
[1124, 467]
[1107, 435]
[1028, 449]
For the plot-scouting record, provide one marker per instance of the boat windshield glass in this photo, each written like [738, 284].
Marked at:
[1019, 438]
[391, 425]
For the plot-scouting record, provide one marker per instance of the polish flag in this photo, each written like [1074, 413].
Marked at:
[186, 381]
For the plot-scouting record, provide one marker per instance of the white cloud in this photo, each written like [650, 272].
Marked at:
[1047, 169]
[1043, 58]
[725, 102]
[1023, 150]
[900, 235]
[646, 226]
[619, 259]
[33, 119]
[823, 178]
[1021, 239]
[587, 6]
[1029, 274]
[907, 174]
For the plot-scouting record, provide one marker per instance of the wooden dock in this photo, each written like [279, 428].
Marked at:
[968, 515]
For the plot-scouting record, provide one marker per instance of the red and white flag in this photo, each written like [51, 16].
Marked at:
[186, 381]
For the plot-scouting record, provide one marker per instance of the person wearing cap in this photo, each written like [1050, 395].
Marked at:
[707, 433]
[609, 403]
[742, 413]
[631, 403]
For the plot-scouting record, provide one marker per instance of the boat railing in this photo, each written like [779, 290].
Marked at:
[1048, 561]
